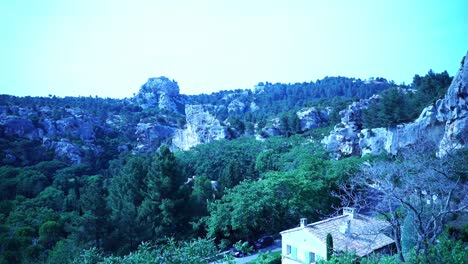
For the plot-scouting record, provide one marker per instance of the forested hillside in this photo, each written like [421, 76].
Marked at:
[101, 180]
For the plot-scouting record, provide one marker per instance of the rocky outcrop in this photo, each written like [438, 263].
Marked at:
[453, 110]
[201, 127]
[21, 127]
[272, 129]
[426, 128]
[162, 93]
[151, 135]
[445, 122]
[344, 140]
[236, 107]
[69, 135]
[313, 118]
[309, 118]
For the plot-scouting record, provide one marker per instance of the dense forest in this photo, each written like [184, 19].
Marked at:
[119, 205]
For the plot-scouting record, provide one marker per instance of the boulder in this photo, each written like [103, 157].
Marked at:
[312, 118]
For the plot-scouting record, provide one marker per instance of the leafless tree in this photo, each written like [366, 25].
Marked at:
[415, 183]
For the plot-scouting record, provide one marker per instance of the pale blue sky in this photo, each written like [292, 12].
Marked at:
[110, 47]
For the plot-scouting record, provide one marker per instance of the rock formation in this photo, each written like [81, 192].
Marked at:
[344, 139]
[445, 122]
[201, 127]
[61, 134]
[160, 92]
[313, 118]
[151, 135]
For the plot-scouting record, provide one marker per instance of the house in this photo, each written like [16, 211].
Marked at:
[350, 232]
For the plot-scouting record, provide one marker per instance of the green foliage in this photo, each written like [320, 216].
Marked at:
[398, 105]
[49, 232]
[409, 233]
[290, 124]
[227, 162]
[267, 258]
[341, 258]
[243, 247]
[65, 251]
[172, 252]
[395, 106]
[50, 210]
[125, 196]
[445, 251]
[94, 219]
[431, 87]
[380, 259]
[296, 178]
[164, 196]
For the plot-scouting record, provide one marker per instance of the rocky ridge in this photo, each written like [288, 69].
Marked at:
[60, 134]
[159, 114]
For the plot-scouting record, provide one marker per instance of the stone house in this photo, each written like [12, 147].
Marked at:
[350, 231]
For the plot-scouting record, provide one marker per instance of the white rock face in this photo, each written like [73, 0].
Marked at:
[202, 127]
[454, 108]
[312, 118]
[445, 122]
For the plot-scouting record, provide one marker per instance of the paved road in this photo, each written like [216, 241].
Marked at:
[273, 248]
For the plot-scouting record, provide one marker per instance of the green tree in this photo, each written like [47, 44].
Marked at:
[93, 205]
[50, 232]
[329, 246]
[202, 194]
[124, 199]
[64, 251]
[164, 196]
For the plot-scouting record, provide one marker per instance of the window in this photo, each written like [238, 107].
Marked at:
[291, 251]
[309, 257]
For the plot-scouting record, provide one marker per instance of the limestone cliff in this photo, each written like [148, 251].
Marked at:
[445, 122]
[201, 127]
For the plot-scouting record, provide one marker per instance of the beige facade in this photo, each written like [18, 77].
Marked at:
[350, 231]
[300, 247]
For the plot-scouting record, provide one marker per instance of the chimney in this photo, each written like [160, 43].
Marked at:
[350, 212]
[345, 229]
[303, 222]
[348, 227]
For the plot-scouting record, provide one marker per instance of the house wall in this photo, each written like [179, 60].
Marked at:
[304, 242]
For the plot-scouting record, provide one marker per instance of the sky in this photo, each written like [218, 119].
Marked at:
[109, 48]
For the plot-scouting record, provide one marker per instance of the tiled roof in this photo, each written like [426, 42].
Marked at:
[364, 237]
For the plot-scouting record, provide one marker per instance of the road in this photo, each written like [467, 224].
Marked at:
[273, 248]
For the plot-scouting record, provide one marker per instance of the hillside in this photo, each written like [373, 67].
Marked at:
[85, 128]
[86, 179]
